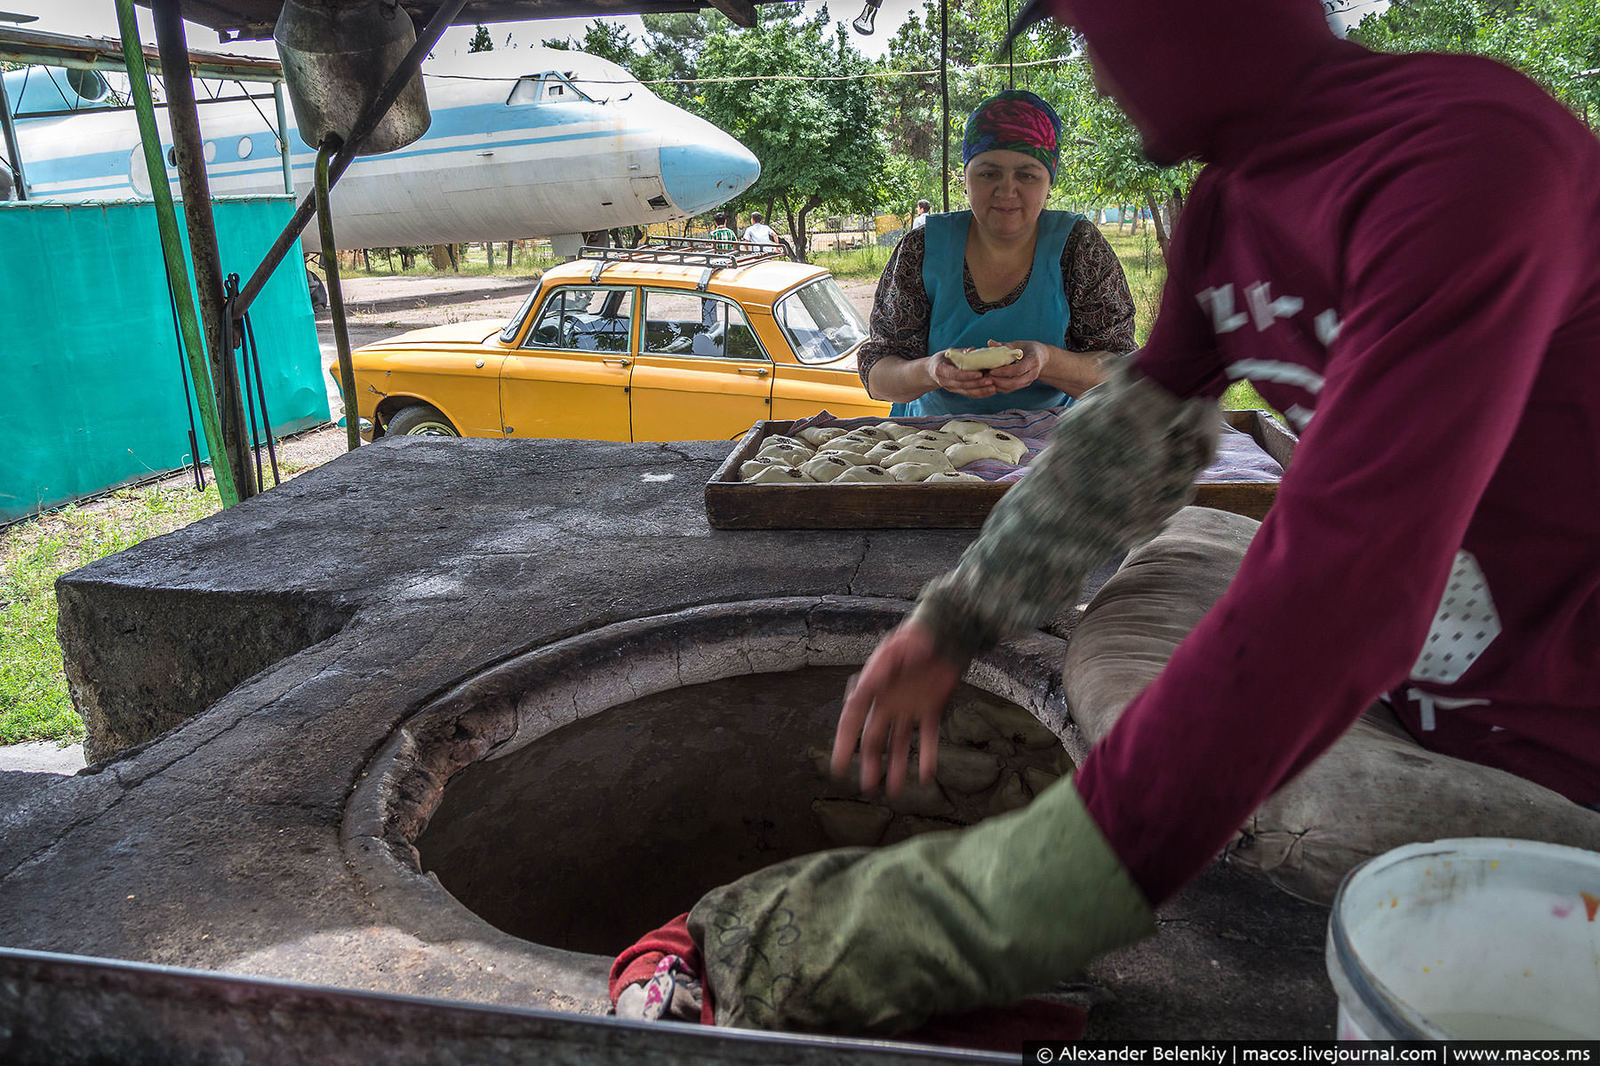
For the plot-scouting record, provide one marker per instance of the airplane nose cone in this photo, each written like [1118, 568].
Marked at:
[711, 170]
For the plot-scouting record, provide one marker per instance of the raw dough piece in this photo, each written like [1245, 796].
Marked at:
[825, 467]
[953, 475]
[1012, 445]
[859, 474]
[913, 471]
[779, 438]
[751, 467]
[777, 474]
[817, 436]
[875, 432]
[982, 358]
[966, 428]
[895, 429]
[972, 451]
[881, 451]
[847, 443]
[790, 454]
[920, 453]
[932, 438]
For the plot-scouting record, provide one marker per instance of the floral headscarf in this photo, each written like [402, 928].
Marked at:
[1018, 121]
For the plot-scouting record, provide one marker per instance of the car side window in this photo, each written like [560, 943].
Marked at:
[692, 324]
[584, 319]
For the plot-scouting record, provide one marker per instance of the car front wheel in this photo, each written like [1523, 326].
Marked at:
[421, 420]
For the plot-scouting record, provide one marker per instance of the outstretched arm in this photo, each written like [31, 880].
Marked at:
[1121, 463]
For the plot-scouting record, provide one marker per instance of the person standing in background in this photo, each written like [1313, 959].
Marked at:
[758, 232]
[723, 234]
[923, 207]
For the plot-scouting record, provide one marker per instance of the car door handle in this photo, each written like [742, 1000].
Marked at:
[617, 362]
[758, 371]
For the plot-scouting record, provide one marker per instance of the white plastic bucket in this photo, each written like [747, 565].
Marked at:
[1475, 939]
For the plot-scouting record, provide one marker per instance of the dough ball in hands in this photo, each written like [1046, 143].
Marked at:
[869, 474]
[982, 358]
[778, 475]
[825, 467]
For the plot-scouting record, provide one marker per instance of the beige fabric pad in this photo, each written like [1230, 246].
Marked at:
[1373, 790]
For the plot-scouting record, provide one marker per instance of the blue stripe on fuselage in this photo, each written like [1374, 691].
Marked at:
[451, 122]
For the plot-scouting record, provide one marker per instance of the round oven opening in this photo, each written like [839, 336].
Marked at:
[607, 827]
[578, 795]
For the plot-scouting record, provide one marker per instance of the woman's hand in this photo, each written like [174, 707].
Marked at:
[1025, 371]
[946, 375]
[903, 689]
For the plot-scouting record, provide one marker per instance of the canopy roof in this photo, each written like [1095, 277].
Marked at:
[254, 19]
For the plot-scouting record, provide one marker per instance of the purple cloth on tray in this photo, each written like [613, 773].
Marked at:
[1239, 458]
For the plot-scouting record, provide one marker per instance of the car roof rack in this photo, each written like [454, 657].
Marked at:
[711, 255]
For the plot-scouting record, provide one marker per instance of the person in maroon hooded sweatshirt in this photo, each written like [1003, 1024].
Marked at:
[1352, 250]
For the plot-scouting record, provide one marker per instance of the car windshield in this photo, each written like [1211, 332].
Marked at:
[509, 334]
[821, 323]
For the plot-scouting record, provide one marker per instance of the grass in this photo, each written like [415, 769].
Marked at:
[34, 704]
[530, 258]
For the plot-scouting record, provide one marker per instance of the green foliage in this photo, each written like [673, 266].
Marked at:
[34, 704]
[1101, 158]
[481, 41]
[1554, 42]
[817, 139]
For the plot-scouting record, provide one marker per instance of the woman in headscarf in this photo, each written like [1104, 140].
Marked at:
[1006, 271]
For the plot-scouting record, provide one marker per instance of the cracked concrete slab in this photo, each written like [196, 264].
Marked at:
[260, 660]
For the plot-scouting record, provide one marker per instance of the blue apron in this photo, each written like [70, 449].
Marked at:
[1040, 313]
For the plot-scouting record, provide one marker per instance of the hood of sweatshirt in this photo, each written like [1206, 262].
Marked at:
[1200, 80]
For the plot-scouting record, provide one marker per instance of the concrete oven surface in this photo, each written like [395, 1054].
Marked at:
[243, 675]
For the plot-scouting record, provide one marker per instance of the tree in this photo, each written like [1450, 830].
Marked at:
[1554, 42]
[481, 41]
[817, 139]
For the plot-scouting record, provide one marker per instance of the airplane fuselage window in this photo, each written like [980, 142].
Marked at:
[525, 91]
[547, 88]
[245, 148]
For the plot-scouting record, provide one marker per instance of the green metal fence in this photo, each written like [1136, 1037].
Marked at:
[90, 372]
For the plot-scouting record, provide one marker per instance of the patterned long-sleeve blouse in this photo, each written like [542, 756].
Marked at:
[1097, 293]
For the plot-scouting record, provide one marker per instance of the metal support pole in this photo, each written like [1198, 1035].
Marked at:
[330, 263]
[172, 250]
[12, 151]
[365, 125]
[283, 137]
[173, 45]
[944, 102]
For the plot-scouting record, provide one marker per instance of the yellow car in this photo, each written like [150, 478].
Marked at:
[654, 343]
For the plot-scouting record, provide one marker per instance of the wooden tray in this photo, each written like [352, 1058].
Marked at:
[733, 504]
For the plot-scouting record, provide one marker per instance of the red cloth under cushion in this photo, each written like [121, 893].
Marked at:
[989, 1029]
